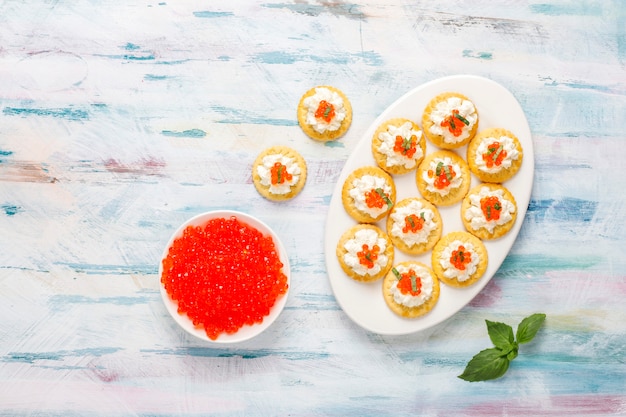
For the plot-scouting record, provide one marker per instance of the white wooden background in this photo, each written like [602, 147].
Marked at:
[120, 120]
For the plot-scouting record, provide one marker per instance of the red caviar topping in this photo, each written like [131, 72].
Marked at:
[460, 258]
[495, 155]
[491, 207]
[412, 223]
[279, 174]
[443, 175]
[406, 146]
[223, 275]
[368, 256]
[377, 198]
[409, 282]
[325, 111]
[454, 123]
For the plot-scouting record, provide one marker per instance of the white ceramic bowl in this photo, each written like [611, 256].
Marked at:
[247, 331]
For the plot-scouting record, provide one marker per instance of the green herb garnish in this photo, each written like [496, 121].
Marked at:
[396, 273]
[498, 152]
[492, 363]
[413, 282]
[384, 197]
[406, 144]
[439, 168]
[411, 221]
[461, 118]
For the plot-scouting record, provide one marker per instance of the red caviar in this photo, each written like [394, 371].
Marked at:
[460, 258]
[413, 223]
[279, 174]
[406, 147]
[491, 207]
[325, 111]
[223, 275]
[495, 155]
[443, 175]
[368, 256]
[377, 198]
[410, 283]
[455, 123]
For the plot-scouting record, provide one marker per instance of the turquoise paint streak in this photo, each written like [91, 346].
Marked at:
[31, 358]
[191, 133]
[314, 302]
[4, 153]
[60, 302]
[542, 263]
[285, 58]
[129, 57]
[567, 9]
[259, 121]
[621, 30]
[468, 53]
[131, 47]
[610, 89]
[563, 210]
[11, 210]
[94, 269]
[153, 77]
[334, 144]
[148, 57]
[238, 353]
[60, 113]
[210, 15]
[237, 116]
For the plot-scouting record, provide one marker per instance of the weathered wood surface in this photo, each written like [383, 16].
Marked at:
[120, 120]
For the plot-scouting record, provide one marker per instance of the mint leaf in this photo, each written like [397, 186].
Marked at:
[529, 327]
[487, 364]
[501, 335]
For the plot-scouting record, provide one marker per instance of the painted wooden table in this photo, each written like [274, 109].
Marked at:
[121, 120]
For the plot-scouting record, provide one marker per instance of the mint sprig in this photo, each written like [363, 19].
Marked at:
[492, 363]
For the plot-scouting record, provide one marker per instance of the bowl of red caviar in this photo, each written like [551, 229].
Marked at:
[224, 276]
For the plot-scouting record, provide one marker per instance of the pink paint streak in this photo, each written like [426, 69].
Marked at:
[490, 295]
[144, 166]
[561, 405]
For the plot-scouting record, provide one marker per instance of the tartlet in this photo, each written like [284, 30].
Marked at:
[450, 120]
[459, 259]
[365, 253]
[495, 155]
[489, 211]
[443, 178]
[279, 173]
[368, 194]
[324, 113]
[414, 225]
[411, 289]
[398, 146]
